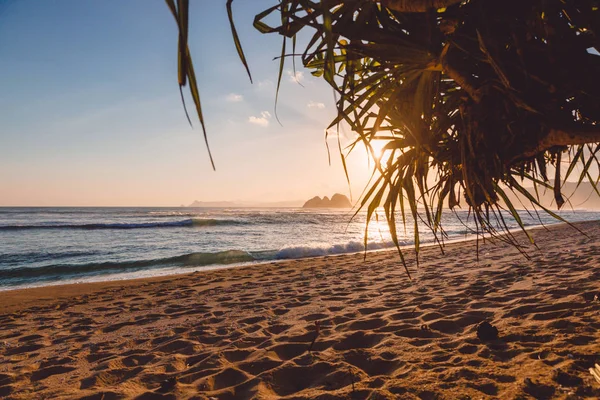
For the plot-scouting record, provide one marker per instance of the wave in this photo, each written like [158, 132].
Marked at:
[52, 272]
[17, 275]
[171, 214]
[294, 252]
[316, 251]
[191, 222]
[34, 256]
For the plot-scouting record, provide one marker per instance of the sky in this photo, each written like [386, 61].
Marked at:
[90, 113]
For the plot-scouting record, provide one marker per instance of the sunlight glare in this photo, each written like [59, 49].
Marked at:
[378, 152]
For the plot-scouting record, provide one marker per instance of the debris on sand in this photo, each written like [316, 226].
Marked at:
[596, 372]
[487, 332]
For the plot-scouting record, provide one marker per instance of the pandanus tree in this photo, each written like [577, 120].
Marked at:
[473, 99]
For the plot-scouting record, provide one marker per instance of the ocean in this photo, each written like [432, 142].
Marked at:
[42, 246]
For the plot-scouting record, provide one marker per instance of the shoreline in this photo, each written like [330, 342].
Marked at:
[167, 272]
[333, 327]
[67, 288]
[51, 292]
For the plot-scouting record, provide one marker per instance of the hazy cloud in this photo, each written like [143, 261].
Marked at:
[297, 77]
[235, 98]
[314, 104]
[263, 120]
[264, 84]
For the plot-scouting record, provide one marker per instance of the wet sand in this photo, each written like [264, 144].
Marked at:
[335, 327]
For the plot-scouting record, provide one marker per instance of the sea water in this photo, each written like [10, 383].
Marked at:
[41, 246]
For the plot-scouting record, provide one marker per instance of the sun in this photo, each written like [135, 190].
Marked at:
[364, 158]
[377, 145]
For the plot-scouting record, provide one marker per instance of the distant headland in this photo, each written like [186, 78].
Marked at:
[336, 201]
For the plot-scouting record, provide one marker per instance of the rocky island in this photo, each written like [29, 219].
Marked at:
[336, 201]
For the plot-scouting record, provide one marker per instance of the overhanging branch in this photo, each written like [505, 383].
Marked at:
[574, 135]
[464, 81]
[417, 5]
[571, 136]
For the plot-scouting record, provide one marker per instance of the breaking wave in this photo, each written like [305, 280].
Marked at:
[191, 222]
[69, 270]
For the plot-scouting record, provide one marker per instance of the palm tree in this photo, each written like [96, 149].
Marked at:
[486, 96]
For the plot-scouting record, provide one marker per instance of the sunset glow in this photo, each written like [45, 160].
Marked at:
[95, 119]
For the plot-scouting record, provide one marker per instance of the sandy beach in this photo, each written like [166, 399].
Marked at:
[335, 327]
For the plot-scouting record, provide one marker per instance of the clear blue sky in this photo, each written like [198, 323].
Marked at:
[90, 111]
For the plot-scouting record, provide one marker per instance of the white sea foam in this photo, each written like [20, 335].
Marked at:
[316, 251]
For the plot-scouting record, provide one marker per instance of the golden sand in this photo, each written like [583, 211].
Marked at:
[252, 332]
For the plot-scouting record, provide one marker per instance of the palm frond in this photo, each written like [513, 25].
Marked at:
[484, 95]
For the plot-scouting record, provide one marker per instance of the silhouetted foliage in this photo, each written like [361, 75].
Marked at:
[482, 97]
